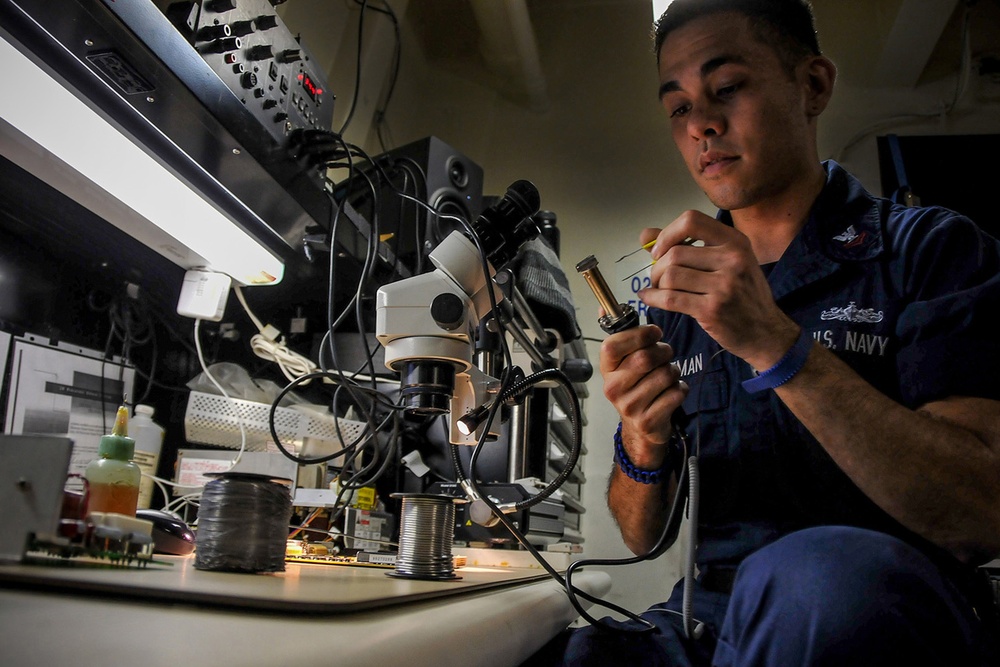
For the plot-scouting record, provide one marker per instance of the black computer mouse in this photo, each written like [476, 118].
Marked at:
[171, 535]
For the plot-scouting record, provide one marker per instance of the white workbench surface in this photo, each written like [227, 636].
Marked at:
[309, 614]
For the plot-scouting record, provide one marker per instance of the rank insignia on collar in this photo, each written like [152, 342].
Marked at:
[850, 237]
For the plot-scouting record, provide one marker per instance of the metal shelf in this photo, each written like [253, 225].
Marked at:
[215, 420]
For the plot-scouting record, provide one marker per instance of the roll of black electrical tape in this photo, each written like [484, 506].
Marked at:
[243, 524]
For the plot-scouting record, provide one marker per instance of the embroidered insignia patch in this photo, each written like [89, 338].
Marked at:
[850, 237]
[851, 313]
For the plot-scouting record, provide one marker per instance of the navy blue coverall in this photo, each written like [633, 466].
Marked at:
[797, 566]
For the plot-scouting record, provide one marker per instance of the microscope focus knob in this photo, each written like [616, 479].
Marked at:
[448, 310]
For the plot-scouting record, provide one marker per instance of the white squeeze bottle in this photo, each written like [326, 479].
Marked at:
[148, 436]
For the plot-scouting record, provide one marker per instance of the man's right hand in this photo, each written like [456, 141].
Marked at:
[645, 388]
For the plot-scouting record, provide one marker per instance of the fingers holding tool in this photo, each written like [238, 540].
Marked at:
[639, 378]
[717, 281]
[641, 381]
[651, 238]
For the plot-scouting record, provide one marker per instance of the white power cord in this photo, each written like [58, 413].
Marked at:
[196, 491]
[268, 344]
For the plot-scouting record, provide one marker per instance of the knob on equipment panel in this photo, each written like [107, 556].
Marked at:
[176, 76]
[251, 50]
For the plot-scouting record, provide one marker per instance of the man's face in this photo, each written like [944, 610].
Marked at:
[737, 117]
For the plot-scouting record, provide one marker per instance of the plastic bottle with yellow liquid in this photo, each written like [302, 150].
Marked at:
[113, 478]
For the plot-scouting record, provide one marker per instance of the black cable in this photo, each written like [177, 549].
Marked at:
[397, 61]
[152, 369]
[346, 448]
[671, 527]
[133, 318]
[418, 233]
[572, 592]
[366, 276]
[667, 537]
[357, 72]
[371, 427]
[379, 173]
[331, 284]
[511, 388]
[409, 169]
[356, 301]
[352, 482]
[665, 541]
[397, 239]
[508, 377]
[397, 58]
[160, 385]
[386, 459]
[104, 403]
[129, 323]
[471, 234]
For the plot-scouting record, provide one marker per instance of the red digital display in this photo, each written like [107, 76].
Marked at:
[312, 90]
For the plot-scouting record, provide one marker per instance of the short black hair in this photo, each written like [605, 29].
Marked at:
[787, 25]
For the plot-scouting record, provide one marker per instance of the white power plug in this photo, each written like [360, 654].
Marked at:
[204, 295]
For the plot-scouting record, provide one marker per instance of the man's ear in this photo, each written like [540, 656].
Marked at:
[819, 76]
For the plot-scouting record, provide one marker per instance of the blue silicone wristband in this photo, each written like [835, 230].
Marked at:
[786, 368]
[629, 468]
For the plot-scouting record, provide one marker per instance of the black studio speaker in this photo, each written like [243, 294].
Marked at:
[440, 176]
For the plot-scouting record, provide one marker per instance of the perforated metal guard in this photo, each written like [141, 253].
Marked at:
[210, 420]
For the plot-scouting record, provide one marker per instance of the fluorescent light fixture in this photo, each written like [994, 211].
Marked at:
[103, 169]
[659, 6]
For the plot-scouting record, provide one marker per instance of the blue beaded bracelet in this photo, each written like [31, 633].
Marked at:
[785, 369]
[629, 468]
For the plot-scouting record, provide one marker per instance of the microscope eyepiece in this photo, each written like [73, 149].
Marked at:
[505, 226]
[526, 195]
